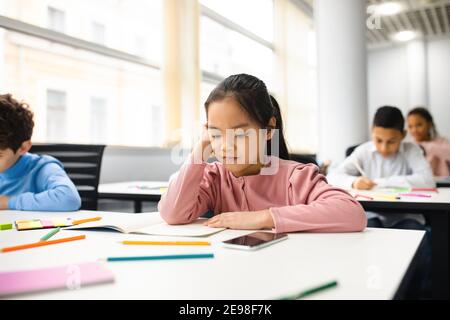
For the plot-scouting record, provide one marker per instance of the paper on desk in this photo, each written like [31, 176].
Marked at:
[148, 223]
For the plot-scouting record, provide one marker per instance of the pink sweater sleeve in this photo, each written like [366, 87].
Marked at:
[438, 155]
[321, 208]
[190, 194]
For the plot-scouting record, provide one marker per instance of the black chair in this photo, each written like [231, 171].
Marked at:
[82, 164]
[350, 150]
[303, 158]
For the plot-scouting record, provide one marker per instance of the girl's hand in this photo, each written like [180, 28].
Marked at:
[203, 149]
[3, 202]
[363, 183]
[246, 220]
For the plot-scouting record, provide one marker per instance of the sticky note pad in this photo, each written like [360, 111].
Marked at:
[6, 226]
[23, 225]
[69, 277]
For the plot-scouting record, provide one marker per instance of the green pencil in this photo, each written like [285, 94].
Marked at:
[163, 257]
[6, 226]
[50, 234]
[310, 291]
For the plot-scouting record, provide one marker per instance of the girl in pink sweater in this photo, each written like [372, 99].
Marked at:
[250, 187]
[437, 149]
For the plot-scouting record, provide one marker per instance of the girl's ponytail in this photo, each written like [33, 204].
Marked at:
[283, 150]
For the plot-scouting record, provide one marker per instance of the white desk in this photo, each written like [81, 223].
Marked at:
[367, 265]
[136, 191]
[437, 210]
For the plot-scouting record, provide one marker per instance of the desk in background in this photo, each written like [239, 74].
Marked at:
[136, 191]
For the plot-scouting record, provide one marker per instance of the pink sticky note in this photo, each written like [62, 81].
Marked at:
[47, 224]
[69, 277]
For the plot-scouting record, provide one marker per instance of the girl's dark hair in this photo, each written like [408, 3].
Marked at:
[252, 95]
[424, 113]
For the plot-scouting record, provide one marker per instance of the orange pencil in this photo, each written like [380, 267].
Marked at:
[42, 243]
[86, 220]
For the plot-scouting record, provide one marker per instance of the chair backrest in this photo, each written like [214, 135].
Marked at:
[350, 150]
[303, 158]
[82, 164]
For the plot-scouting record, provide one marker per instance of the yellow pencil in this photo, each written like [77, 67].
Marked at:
[387, 196]
[167, 243]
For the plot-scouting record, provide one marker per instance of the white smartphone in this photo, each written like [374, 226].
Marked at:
[254, 241]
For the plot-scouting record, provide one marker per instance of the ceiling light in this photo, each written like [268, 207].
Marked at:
[388, 8]
[405, 35]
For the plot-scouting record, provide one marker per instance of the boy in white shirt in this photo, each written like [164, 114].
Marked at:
[387, 161]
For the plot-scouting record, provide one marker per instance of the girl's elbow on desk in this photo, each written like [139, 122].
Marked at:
[173, 217]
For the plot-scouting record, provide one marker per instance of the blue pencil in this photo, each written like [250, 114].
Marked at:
[164, 257]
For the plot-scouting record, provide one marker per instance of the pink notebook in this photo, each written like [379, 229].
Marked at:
[70, 277]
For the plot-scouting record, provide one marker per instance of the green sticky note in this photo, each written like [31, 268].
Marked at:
[402, 190]
[35, 224]
[6, 226]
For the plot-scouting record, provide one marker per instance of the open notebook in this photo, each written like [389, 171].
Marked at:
[148, 223]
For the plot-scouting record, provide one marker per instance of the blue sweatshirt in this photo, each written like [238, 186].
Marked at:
[39, 183]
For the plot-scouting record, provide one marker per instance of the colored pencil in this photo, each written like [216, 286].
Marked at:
[163, 257]
[76, 222]
[50, 234]
[42, 243]
[311, 291]
[168, 243]
[363, 196]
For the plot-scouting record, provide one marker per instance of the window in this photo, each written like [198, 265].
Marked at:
[99, 120]
[98, 33]
[232, 43]
[102, 62]
[157, 127]
[56, 20]
[225, 52]
[205, 90]
[253, 15]
[298, 98]
[65, 81]
[56, 115]
[89, 20]
[238, 37]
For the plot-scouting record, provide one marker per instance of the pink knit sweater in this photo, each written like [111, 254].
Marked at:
[298, 197]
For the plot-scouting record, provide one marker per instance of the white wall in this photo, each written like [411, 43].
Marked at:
[389, 80]
[439, 84]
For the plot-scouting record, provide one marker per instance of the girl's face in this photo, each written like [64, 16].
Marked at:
[235, 138]
[418, 128]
